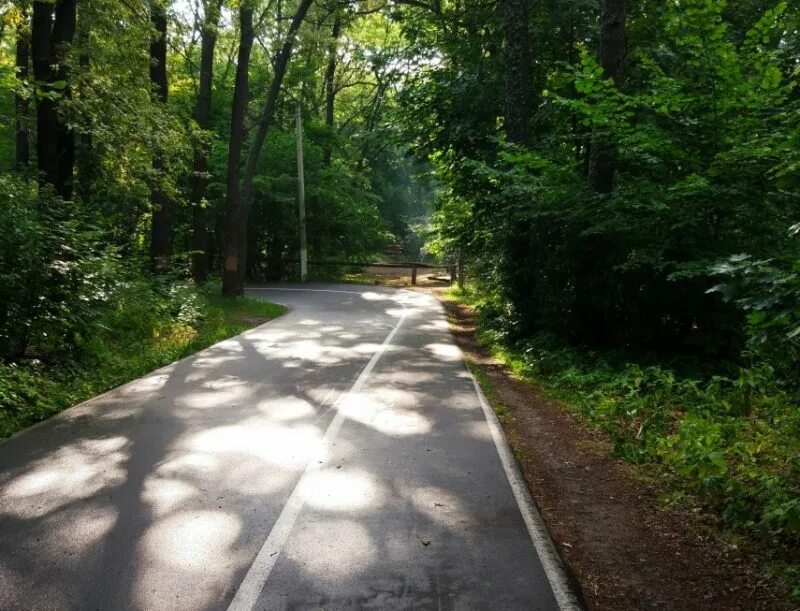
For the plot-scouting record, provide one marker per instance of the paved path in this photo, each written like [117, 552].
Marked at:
[338, 457]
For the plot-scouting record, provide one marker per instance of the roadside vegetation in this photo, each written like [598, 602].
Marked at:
[144, 144]
[621, 179]
[727, 444]
[137, 325]
[631, 226]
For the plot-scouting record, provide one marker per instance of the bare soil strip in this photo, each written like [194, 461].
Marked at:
[622, 546]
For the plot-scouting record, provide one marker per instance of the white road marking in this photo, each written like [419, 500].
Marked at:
[551, 562]
[256, 577]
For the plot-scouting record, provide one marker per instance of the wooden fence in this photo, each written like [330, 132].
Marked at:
[454, 271]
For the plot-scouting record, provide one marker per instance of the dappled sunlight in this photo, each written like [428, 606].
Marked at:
[179, 555]
[441, 505]
[445, 352]
[196, 465]
[408, 378]
[340, 490]
[88, 525]
[71, 472]
[433, 326]
[219, 393]
[225, 438]
[374, 296]
[190, 540]
[212, 362]
[399, 422]
[148, 383]
[347, 552]
[463, 400]
[399, 312]
[309, 350]
[169, 488]
[477, 430]
[284, 409]
[390, 411]
[269, 334]
[367, 348]
[166, 495]
[277, 445]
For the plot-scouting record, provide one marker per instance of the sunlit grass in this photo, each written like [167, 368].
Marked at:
[31, 391]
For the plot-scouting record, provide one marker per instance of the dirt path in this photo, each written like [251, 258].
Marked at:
[625, 551]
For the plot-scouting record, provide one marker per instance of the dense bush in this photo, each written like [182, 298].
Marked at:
[706, 131]
[54, 274]
[732, 441]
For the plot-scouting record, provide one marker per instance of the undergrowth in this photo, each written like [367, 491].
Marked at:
[732, 442]
[144, 327]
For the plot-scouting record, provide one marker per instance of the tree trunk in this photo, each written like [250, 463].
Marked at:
[52, 32]
[602, 160]
[239, 202]
[330, 87]
[23, 59]
[86, 160]
[231, 286]
[203, 118]
[161, 223]
[517, 70]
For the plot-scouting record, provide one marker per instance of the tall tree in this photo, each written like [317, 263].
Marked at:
[602, 160]
[86, 159]
[161, 224]
[330, 85]
[52, 32]
[23, 59]
[518, 105]
[233, 198]
[203, 117]
[239, 205]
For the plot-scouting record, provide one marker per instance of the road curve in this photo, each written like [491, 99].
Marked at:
[338, 457]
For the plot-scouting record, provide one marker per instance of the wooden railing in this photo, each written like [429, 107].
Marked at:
[412, 265]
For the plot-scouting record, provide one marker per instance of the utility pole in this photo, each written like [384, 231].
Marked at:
[301, 197]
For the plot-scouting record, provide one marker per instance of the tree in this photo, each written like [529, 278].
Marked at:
[517, 70]
[161, 223]
[23, 59]
[611, 54]
[237, 221]
[240, 201]
[52, 31]
[330, 82]
[203, 119]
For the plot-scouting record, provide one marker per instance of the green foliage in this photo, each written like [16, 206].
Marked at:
[146, 324]
[342, 212]
[769, 294]
[55, 276]
[730, 440]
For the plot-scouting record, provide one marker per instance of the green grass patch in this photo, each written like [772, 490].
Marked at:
[143, 329]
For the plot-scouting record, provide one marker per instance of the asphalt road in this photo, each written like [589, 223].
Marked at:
[338, 457]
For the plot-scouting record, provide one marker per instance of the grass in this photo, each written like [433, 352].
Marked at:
[134, 338]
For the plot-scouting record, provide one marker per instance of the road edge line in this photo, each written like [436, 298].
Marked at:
[537, 530]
